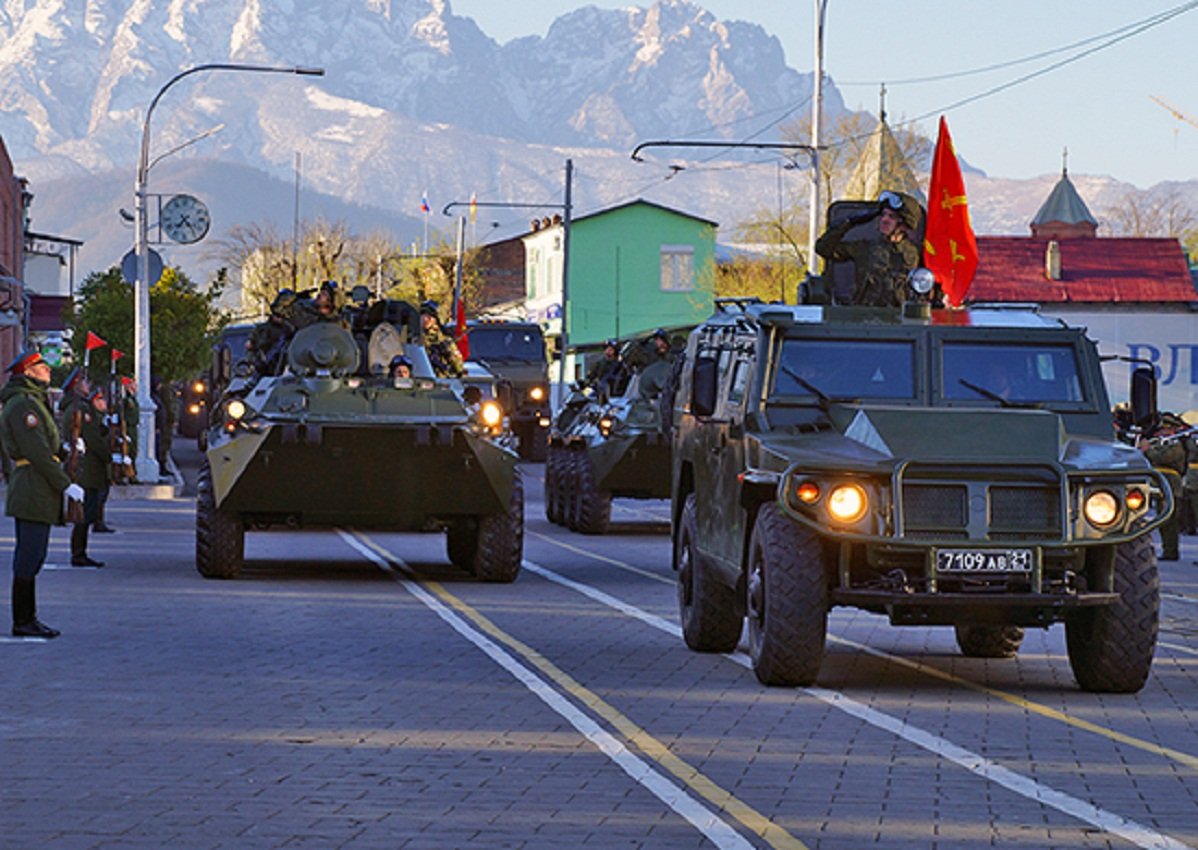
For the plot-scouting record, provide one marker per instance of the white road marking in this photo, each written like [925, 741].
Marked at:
[641, 772]
[1125, 828]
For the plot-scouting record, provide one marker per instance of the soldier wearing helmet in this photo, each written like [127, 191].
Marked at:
[882, 259]
[609, 374]
[269, 339]
[443, 353]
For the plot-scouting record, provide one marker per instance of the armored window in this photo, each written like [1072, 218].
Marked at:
[677, 268]
[1015, 372]
[845, 369]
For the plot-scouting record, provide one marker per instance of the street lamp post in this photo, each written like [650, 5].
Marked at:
[147, 461]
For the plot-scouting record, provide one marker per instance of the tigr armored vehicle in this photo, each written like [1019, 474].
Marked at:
[515, 352]
[329, 443]
[941, 467]
[602, 447]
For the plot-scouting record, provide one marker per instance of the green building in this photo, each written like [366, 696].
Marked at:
[633, 268]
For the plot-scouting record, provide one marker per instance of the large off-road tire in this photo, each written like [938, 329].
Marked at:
[571, 460]
[988, 641]
[786, 600]
[1111, 648]
[220, 537]
[592, 505]
[500, 547]
[534, 443]
[461, 543]
[553, 485]
[708, 609]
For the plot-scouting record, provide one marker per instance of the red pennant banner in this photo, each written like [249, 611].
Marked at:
[117, 355]
[950, 249]
[93, 341]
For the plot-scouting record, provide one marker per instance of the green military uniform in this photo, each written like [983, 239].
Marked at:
[131, 411]
[1169, 458]
[168, 415]
[92, 472]
[1189, 488]
[31, 442]
[443, 353]
[880, 265]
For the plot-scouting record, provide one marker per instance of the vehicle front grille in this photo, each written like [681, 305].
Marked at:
[959, 508]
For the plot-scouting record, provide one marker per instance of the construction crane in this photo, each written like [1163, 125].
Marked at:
[1177, 113]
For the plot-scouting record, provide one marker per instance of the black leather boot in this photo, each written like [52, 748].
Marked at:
[24, 611]
[79, 556]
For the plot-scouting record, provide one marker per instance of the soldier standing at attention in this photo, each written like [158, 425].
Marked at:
[37, 485]
[882, 260]
[92, 472]
[1168, 455]
[443, 353]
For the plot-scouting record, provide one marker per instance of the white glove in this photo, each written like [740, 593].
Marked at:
[128, 460]
[74, 492]
[80, 446]
[113, 419]
[117, 457]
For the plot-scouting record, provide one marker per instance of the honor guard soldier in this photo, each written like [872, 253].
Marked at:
[37, 485]
[83, 414]
[883, 259]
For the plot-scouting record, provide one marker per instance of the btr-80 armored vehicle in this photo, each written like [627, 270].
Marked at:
[328, 443]
[942, 467]
[602, 447]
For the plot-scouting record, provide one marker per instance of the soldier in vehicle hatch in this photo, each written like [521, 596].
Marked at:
[443, 352]
[269, 339]
[882, 260]
[609, 374]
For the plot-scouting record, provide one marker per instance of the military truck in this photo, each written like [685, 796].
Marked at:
[602, 447]
[333, 440]
[940, 467]
[514, 352]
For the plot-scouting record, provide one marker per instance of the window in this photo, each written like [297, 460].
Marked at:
[677, 268]
[846, 369]
[1017, 372]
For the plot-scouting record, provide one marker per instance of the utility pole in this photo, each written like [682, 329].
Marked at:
[817, 102]
[565, 338]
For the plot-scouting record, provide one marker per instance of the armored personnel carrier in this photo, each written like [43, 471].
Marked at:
[333, 440]
[940, 467]
[602, 447]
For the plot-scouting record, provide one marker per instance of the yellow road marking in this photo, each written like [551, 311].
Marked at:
[750, 818]
[1035, 708]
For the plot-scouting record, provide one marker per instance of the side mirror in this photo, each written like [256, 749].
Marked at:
[704, 386]
[1143, 396]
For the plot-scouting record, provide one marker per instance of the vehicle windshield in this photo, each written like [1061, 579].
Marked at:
[501, 343]
[843, 369]
[1021, 373]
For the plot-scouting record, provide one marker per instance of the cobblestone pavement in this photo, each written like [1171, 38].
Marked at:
[355, 691]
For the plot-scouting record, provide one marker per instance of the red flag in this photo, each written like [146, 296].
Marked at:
[950, 249]
[459, 331]
[117, 355]
[93, 341]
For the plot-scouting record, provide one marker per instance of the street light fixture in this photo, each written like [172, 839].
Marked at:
[147, 461]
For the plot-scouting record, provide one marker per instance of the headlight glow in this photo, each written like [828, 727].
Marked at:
[1101, 508]
[197, 387]
[847, 502]
[235, 408]
[537, 393]
[491, 414]
[605, 425]
[1135, 500]
[808, 492]
[193, 409]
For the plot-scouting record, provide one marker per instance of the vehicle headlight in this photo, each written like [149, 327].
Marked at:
[1135, 499]
[605, 425]
[198, 387]
[537, 393]
[193, 409]
[847, 502]
[491, 414]
[235, 408]
[1101, 508]
[921, 280]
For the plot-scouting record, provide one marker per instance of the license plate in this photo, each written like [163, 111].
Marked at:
[983, 560]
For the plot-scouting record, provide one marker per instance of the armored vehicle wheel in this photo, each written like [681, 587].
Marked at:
[708, 609]
[570, 464]
[787, 600]
[985, 641]
[534, 445]
[461, 543]
[499, 546]
[220, 537]
[553, 488]
[592, 505]
[1110, 648]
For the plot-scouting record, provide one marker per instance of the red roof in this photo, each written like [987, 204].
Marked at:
[1101, 270]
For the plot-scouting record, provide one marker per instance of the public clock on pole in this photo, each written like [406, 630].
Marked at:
[185, 219]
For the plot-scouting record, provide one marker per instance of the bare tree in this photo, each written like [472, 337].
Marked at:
[1155, 213]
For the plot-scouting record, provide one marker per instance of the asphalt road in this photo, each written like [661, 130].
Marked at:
[354, 690]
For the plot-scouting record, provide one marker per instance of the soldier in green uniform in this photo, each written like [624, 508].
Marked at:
[165, 418]
[609, 375]
[883, 260]
[88, 409]
[131, 411]
[443, 352]
[37, 485]
[268, 341]
[1168, 455]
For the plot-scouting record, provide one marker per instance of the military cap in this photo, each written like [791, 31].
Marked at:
[28, 357]
[612, 342]
[400, 360]
[660, 333]
[430, 307]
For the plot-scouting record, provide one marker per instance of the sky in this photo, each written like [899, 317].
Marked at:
[1097, 106]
